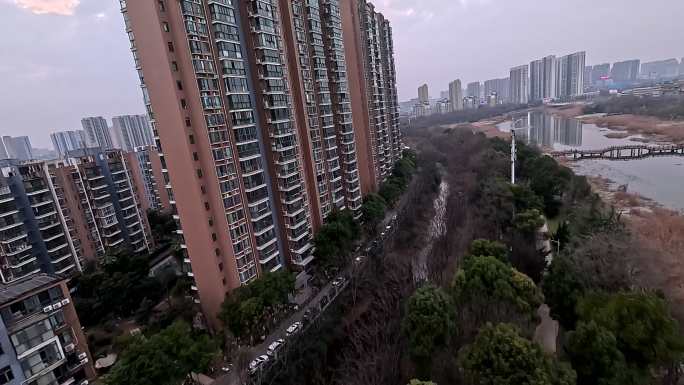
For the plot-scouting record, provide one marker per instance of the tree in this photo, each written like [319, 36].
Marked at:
[528, 222]
[244, 308]
[484, 248]
[492, 290]
[563, 287]
[373, 209]
[500, 356]
[336, 238]
[164, 358]
[117, 288]
[645, 331]
[525, 199]
[391, 190]
[162, 225]
[594, 354]
[428, 322]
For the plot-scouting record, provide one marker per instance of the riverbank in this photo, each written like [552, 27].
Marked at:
[653, 129]
[659, 234]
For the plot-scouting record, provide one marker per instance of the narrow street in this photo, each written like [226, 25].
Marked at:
[317, 305]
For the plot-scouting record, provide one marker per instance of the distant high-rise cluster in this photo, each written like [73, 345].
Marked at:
[18, 147]
[557, 78]
[65, 141]
[270, 115]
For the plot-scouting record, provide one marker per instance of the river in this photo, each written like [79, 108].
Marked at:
[660, 179]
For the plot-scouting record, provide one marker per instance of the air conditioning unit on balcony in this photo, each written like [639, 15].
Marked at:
[84, 361]
[65, 301]
[69, 348]
[83, 356]
[84, 382]
[56, 305]
[47, 309]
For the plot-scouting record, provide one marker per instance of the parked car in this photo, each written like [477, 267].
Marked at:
[275, 347]
[294, 328]
[257, 364]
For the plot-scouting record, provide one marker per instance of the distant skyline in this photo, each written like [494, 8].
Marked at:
[71, 59]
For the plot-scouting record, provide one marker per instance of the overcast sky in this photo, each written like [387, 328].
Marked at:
[61, 60]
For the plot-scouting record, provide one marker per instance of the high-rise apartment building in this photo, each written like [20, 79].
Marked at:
[500, 87]
[97, 133]
[548, 83]
[681, 67]
[100, 203]
[570, 75]
[146, 172]
[41, 339]
[131, 131]
[625, 71]
[65, 141]
[661, 69]
[536, 80]
[587, 76]
[369, 51]
[519, 83]
[423, 94]
[18, 147]
[262, 132]
[474, 89]
[456, 95]
[33, 233]
[599, 73]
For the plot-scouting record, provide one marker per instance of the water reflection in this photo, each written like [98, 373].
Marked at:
[548, 130]
[655, 178]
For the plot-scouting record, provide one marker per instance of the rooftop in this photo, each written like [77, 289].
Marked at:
[10, 292]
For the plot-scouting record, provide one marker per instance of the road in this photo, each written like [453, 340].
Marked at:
[376, 245]
[316, 304]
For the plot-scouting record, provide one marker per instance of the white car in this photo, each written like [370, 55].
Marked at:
[257, 363]
[294, 328]
[339, 281]
[275, 347]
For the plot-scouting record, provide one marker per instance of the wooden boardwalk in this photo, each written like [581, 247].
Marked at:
[626, 152]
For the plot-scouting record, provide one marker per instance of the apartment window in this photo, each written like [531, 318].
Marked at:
[214, 237]
[211, 222]
[199, 173]
[195, 156]
[191, 138]
[179, 84]
[174, 66]
[162, 6]
[220, 266]
[203, 189]
[184, 104]
[6, 375]
[239, 101]
[236, 84]
[217, 252]
[165, 27]
[188, 124]
[170, 44]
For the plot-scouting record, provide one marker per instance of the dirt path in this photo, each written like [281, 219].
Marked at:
[546, 332]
